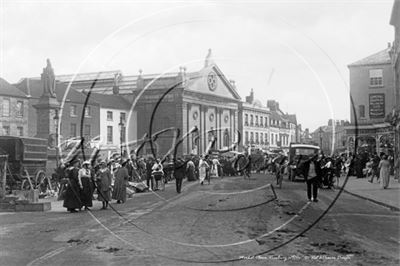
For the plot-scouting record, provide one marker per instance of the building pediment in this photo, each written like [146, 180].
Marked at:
[211, 81]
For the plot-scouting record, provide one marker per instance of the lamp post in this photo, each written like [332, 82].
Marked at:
[56, 120]
[121, 127]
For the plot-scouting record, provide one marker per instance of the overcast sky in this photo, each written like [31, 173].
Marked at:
[295, 52]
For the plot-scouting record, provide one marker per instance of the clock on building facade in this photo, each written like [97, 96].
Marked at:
[212, 81]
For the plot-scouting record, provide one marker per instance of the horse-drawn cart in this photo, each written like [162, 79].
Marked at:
[25, 161]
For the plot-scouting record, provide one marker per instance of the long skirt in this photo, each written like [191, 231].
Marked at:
[191, 174]
[214, 171]
[104, 194]
[72, 195]
[119, 191]
[87, 192]
[384, 176]
[202, 174]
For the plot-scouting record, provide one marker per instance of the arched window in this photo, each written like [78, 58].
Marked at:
[226, 138]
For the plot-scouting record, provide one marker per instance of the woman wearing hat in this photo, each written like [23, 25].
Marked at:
[121, 177]
[103, 178]
[85, 183]
[72, 199]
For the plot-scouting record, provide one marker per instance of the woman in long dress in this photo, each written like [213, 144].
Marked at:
[384, 167]
[85, 182]
[104, 178]
[190, 169]
[214, 169]
[203, 165]
[121, 177]
[72, 199]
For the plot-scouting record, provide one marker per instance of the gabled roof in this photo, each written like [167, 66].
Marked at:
[34, 89]
[111, 101]
[379, 58]
[6, 89]
[195, 77]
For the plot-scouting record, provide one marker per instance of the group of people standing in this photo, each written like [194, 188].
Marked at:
[81, 180]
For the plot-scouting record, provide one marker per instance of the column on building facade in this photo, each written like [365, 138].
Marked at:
[186, 110]
[204, 132]
[221, 133]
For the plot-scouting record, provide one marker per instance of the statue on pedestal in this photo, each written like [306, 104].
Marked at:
[49, 81]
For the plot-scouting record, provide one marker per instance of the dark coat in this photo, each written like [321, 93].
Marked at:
[306, 168]
[180, 169]
[72, 195]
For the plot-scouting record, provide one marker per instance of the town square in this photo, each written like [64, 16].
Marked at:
[200, 132]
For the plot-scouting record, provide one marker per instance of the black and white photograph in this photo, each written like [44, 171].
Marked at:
[203, 132]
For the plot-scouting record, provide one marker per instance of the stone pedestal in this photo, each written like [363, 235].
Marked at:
[47, 109]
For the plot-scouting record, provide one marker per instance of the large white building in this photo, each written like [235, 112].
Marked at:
[254, 122]
[266, 127]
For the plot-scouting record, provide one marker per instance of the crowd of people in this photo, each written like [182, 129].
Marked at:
[109, 179]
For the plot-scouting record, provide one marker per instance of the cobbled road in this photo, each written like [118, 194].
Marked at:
[232, 221]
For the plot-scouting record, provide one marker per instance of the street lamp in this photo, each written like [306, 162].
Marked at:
[56, 120]
[121, 127]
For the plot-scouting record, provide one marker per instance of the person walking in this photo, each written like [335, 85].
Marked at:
[179, 174]
[104, 178]
[203, 165]
[157, 173]
[191, 171]
[149, 176]
[72, 199]
[121, 177]
[86, 185]
[384, 166]
[312, 170]
[214, 168]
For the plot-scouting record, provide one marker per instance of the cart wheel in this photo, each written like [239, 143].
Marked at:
[25, 185]
[27, 181]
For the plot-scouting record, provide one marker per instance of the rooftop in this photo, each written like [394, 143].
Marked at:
[7, 89]
[379, 58]
[111, 101]
[34, 88]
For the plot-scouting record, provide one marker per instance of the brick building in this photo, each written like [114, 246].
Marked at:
[373, 99]
[115, 129]
[71, 115]
[14, 110]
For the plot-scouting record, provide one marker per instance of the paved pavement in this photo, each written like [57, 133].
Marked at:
[360, 187]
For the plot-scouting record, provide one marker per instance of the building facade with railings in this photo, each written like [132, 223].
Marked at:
[14, 111]
[372, 101]
[254, 123]
[283, 127]
[395, 56]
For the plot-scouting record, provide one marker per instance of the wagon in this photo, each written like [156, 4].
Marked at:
[26, 160]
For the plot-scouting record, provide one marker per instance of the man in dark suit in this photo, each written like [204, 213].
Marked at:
[312, 174]
[179, 173]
